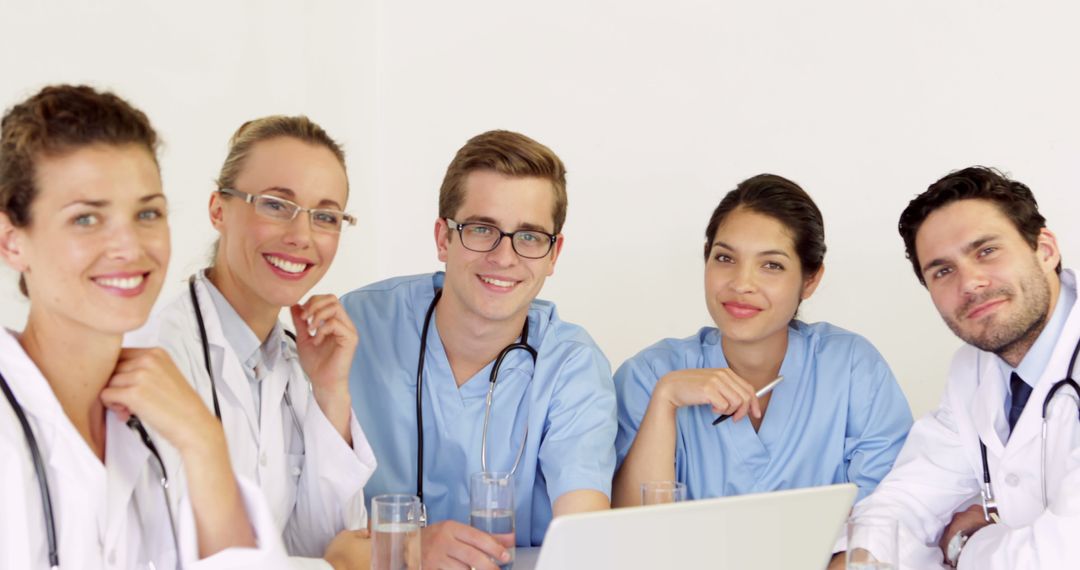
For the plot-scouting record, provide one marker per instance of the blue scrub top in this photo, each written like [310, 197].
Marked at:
[839, 416]
[567, 401]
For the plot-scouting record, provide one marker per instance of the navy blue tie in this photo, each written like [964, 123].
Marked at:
[1020, 394]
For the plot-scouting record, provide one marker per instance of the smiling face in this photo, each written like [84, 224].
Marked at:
[497, 285]
[267, 263]
[97, 248]
[753, 278]
[992, 289]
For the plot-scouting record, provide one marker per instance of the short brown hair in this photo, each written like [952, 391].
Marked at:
[507, 153]
[54, 121]
[255, 131]
[1015, 201]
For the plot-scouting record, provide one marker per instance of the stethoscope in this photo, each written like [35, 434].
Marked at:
[989, 504]
[523, 344]
[43, 483]
[209, 369]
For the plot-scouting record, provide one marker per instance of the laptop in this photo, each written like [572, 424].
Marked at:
[783, 530]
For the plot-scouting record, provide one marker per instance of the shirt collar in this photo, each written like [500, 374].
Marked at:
[238, 334]
[242, 339]
[1034, 363]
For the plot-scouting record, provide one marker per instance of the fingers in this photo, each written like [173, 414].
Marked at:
[720, 388]
[483, 542]
[323, 314]
[451, 544]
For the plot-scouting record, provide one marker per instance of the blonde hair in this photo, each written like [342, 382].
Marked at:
[255, 131]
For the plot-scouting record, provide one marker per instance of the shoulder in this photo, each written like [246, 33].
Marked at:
[389, 296]
[167, 322]
[669, 354]
[554, 331]
[393, 287]
[965, 362]
[841, 357]
[565, 349]
[827, 340]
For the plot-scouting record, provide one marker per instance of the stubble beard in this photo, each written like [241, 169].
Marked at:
[1011, 338]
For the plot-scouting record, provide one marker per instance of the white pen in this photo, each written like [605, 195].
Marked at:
[768, 388]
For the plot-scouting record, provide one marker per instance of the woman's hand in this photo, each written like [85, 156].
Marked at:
[326, 342]
[349, 550]
[720, 388]
[147, 383]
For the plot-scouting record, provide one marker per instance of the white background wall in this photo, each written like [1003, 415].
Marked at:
[658, 109]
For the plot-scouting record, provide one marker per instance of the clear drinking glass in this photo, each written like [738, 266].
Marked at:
[872, 544]
[491, 496]
[661, 492]
[395, 532]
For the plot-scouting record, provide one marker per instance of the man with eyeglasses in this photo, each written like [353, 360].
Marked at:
[431, 343]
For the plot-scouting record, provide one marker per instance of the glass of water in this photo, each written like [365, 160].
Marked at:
[491, 497]
[661, 492]
[872, 544]
[395, 532]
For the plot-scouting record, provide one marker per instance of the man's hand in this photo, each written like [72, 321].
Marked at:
[838, 561]
[450, 545]
[968, 521]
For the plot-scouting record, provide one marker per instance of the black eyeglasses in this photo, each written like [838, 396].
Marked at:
[286, 211]
[481, 238]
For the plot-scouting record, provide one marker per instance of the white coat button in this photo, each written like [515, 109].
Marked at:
[262, 459]
[296, 471]
[1012, 479]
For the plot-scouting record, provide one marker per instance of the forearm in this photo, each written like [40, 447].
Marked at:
[652, 455]
[580, 501]
[336, 405]
[221, 520]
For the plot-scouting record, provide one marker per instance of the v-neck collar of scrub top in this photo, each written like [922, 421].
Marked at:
[439, 377]
[755, 446]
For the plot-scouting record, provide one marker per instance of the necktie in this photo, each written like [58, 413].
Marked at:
[1020, 394]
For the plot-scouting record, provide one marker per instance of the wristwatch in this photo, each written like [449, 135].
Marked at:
[955, 546]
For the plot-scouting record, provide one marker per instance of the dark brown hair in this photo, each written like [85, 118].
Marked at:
[57, 120]
[787, 203]
[510, 154]
[1012, 198]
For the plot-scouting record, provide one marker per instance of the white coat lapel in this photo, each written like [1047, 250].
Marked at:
[1030, 424]
[988, 407]
[229, 376]
[126, 458]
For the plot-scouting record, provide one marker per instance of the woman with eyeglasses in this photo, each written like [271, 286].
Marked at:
[110, 459]
[282, 398]
[837, 415]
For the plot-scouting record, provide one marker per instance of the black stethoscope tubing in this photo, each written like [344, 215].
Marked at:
[523, 344]
[205, 341]
[43, 483]
[39, 471]
[989, 505]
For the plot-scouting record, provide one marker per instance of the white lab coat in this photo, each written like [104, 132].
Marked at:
[939, 471]
[110, 515]
[315, 488]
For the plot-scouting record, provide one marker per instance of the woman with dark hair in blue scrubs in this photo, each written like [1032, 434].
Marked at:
[837, 416]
